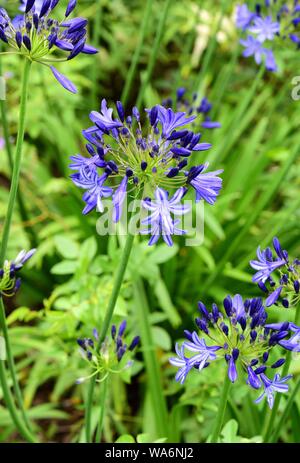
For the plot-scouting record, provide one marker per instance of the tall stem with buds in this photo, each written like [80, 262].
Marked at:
[5, 236]
[105, 326]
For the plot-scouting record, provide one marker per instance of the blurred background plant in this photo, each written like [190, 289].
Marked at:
[147, 51]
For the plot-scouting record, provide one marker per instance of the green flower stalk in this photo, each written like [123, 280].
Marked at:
[105, 327]
[9, 285]
[110, 357]
[6, 232]
[34, 36]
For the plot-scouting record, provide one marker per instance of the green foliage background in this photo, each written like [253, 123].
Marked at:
[67, 284]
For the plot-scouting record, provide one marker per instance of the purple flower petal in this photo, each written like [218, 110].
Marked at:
[273, 297]
[89, 50]
[66, 83]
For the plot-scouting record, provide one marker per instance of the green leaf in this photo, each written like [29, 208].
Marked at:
[66, 246]
[55, 185]
[206, 256]
[212, 222]
[100, 264]
[161, 338]
[229, 432]
[47, 411]
[63, 303]
[165, 301]
[237, 274]
[125, 439]
[87, 253]
[143, 439]
[22, 314]
[163, 253]
[66, 267]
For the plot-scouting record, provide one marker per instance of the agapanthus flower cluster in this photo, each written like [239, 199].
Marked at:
[37, 36]
[144, 159]
[266, 27]
[284, 288]
[9, 281]
[193, 107]
[113, 356]
[240, 337]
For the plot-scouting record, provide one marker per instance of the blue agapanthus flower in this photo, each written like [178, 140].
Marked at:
[267, 27]
[253, 47]
[269, 264]
[41, 38]
[238, 334]
[146, 159]
[161, 222]
[183, 364]
[292, 343]
[244, 16]
[206, 184]
[113, 356]
[271, 386]
[264, 28]
[9, 281]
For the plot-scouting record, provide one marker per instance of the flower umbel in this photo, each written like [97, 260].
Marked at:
[268, 27]
[9, 282]
[39, 37]
[113, 356]
[238, 336]
[193, 107]
[149, 158]
[284, 288]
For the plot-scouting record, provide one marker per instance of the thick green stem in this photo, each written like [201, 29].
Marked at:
[17, 162]
[105, 326]
[152, 58]
[221, 409]
[285, 371]
[12, 408]
[11, 364]
[22, 209]
[152, 367]
[103, 397]
[137, 53]
[6, 229]
[6, 132]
